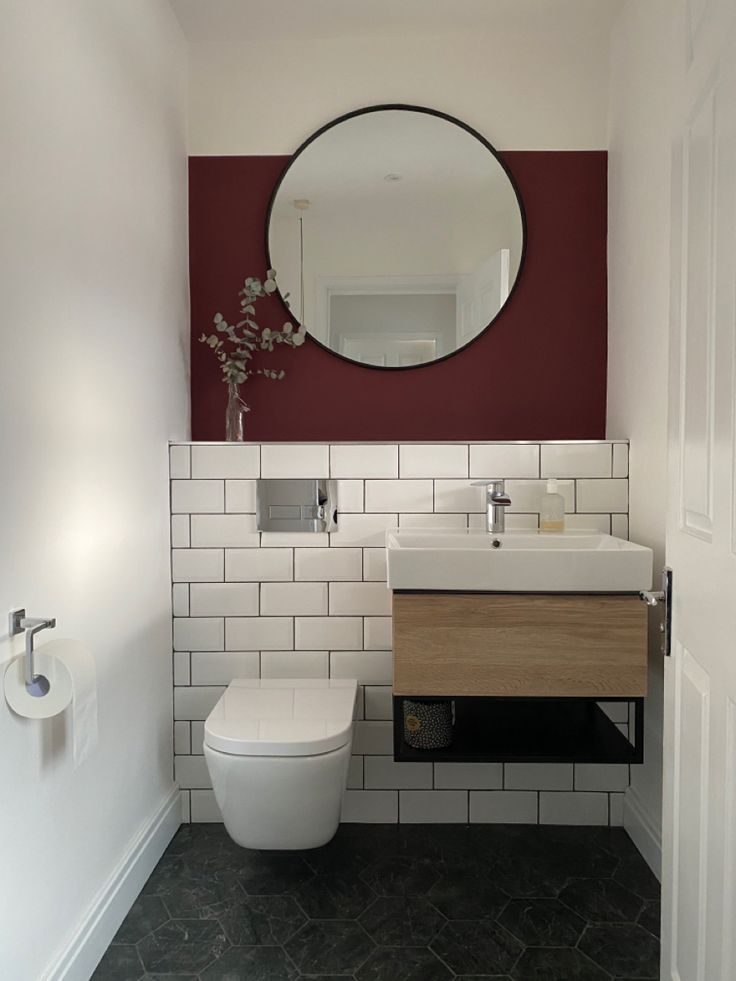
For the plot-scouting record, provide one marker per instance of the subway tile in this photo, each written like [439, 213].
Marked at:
[603, 495]
[240, 496]
[191, 772]
[538, 776]
[370, 807]
[295, 539]
[197, 564]
[468, 776]
[433, 806]
[374, 564]
[180, 531]
[180, 462]
[488, 460]
[350, 496]
[378, 634]
[180, 599]
[182, 668]
[514, 522]
[526, 495]
[203, 496]
[198, 634]
[294, 664]
[197, 729]
[576, 460]
[364, 460]
[373, 739]
[573, 808]
[588, 522]
[385, 496]
[223, 599]
[280, 460]
[328, 564]
[383, 773]
[294, 599]
[450, 522]
[601, 776]
[224, 531]
[620, 460]
[259, 634]
[204, 807]
[220, 667]
[458, 496]
[195, 703]
[503, 807]
[359, 599]
[616, 810]
[438, 460]
[259, 564]
[362, 530]
[355, 773]
[182, 739]
[620, 526]
[329, 633]
[378, 701]
[367, 667]
[226, 461]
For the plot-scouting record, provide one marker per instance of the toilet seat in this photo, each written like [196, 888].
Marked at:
[287, 717]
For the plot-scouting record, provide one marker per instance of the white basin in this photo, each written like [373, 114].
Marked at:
[528, 562]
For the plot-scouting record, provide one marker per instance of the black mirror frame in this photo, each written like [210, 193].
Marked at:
[450, 119]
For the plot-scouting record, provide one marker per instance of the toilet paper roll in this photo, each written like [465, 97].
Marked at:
[70, 670]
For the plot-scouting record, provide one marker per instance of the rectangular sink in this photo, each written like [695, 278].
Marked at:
[516, 562]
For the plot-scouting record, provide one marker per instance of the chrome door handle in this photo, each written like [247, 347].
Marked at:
[655, 597]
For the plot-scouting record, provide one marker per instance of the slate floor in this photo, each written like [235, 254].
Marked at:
[396, 903]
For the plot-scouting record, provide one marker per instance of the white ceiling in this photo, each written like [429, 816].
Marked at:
[253, 20]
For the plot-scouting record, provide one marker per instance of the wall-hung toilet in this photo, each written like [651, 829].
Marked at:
[277, 751]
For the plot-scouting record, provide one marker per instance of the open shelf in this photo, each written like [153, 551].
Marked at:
[528, 730]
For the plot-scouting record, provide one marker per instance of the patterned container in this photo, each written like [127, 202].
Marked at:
[427, 723]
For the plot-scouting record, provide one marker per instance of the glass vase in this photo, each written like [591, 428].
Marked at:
[234, 414]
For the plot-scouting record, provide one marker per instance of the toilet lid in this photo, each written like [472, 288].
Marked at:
[282, 716]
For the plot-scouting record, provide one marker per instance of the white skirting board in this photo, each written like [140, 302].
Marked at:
[78, 960]
[643, 831]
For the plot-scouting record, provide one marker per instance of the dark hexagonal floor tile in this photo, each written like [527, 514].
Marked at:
[271, 876]
[537, 878]
[251, 964]
[146, 915]
[407, 963]
[638, 878]
[542, 923]
[171, 977]
[556, 964]
[601, 901]
[395, 921]
[476, 947]
[622, 949]
[183, 946]
[202, 897]
[330, 947]
[120, 963]
[262, 921]
[461, 896]
[401, 876]
[651, 917]
[335, 897]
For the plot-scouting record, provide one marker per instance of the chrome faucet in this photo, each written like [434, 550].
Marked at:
[497, 500]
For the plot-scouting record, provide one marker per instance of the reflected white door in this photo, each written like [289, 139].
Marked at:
[699, 833]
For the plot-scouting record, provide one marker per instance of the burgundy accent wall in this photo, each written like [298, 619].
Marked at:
[538, 373]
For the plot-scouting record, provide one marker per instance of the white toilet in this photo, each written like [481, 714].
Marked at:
[277, 751]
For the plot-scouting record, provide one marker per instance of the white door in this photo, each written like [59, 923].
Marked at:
[699, 833]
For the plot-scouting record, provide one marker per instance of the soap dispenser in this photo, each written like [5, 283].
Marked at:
[552, 511]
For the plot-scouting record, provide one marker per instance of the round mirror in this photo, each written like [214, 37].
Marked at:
[397, 235]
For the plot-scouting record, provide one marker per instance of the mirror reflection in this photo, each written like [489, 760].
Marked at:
[398, 235]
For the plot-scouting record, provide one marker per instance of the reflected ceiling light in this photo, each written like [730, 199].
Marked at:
[301, 204]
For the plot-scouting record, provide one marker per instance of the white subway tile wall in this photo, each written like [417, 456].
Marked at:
[249, 604]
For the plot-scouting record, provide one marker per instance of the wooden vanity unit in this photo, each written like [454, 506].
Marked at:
[510, 644]
[525, 672]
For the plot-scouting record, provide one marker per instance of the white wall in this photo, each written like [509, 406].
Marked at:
[537, 89]
[639, 209]
[93, 382]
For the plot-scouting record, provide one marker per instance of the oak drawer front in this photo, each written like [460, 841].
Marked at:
[504, 644]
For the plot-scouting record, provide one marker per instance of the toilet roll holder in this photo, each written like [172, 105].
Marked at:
[36, 684]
